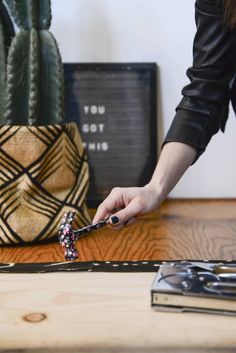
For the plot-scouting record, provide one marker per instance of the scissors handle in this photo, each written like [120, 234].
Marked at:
[222, 286]
[225, 269]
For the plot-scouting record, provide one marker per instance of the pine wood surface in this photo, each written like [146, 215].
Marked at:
[103, 313]
[180, 229]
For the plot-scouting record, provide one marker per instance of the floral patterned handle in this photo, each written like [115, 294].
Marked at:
[67, 236]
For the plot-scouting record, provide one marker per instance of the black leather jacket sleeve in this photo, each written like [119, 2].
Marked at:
[204, 107]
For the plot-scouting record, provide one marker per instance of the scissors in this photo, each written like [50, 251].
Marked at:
[218, 279]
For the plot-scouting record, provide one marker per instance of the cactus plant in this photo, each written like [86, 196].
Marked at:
[6, 35]
[34, 87]
[44, 168]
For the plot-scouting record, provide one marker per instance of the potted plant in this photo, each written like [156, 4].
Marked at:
[43, 164]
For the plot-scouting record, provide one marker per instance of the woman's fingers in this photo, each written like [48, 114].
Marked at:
[113, 201]
[128, 203]
[131, 221]
[125, 214]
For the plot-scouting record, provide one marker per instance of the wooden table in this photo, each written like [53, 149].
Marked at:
[181, 229]
[110, 312]
[100, 312]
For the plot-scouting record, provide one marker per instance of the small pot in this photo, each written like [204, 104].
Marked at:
[43, 174]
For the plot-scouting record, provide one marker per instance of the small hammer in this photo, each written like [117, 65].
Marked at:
[68, 236]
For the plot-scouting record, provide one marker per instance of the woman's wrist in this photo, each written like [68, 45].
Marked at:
[156, 191]
[174, 160]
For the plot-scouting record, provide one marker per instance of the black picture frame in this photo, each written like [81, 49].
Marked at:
[127, 93]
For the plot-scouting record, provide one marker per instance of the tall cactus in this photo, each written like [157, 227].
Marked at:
[6, 35]
[35, 94]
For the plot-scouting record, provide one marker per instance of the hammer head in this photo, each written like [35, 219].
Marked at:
[67, 237]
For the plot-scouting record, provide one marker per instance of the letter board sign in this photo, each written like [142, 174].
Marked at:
[115, 107]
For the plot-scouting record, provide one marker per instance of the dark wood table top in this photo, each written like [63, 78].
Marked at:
[180, 229]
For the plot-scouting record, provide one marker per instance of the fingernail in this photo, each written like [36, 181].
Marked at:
[114, 219]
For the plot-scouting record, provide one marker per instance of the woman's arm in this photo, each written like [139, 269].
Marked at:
[174, 160]
[200, 114]
[203, 109]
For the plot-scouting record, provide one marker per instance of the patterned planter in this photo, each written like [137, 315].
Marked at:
[43, 174]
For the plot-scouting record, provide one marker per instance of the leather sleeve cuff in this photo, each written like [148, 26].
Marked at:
[195, 131]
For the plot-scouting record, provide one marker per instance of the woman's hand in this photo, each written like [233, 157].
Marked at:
[174, 160]
[129, 202]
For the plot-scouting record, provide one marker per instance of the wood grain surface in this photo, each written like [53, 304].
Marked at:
[101, 312]
[180, 229]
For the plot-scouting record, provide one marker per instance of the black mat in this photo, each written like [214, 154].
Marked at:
[91, 266]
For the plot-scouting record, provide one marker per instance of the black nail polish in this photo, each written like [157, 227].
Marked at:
[114, 219]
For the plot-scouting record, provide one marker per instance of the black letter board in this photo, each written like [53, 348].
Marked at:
[115, 107]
